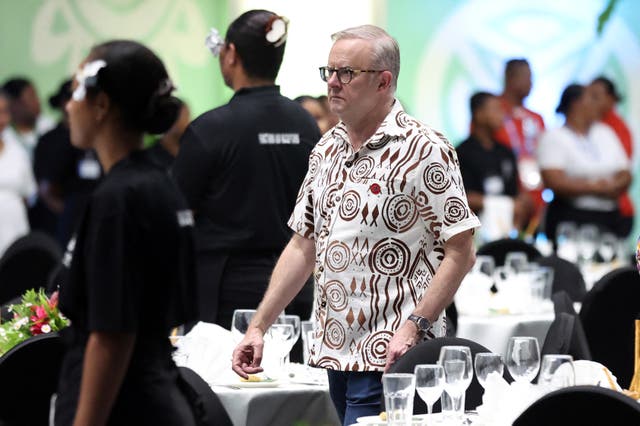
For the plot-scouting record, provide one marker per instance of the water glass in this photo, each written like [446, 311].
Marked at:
[306, 330]
[240, 323]
[458, 372]
[429, 383]
[588, 242]
[276, 346]
[557, 372]
[487, 363]
[608, 247]
[294, 320]
[399, 389]
[484, 264]
[523, 358]
[516, 261]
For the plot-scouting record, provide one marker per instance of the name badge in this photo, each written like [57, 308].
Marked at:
[89, 168]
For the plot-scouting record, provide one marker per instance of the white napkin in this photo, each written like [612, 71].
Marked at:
[502, 403]
[594, 373]
[473, 295]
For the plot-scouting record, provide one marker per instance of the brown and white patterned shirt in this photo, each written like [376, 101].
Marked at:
[379, 218]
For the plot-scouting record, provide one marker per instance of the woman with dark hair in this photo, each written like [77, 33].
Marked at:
[240, 167]
[130, 270]
[584, 164]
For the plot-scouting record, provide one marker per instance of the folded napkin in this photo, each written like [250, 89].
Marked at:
[502, 403]
[594, 373]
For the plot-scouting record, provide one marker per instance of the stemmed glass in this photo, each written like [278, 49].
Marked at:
[484, 264]
[487, 364]
[294, 320]
[516, 261]
[523, 358]
[557, 372]
[240, 322]
[429, 383]
[608, 247]
[458, 372]
[587, 242]
[566, 240]
[276, 345]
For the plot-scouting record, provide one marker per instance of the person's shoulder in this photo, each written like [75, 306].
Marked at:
[534, 114]
[212, 118]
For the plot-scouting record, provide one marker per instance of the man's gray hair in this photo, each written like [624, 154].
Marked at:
[386, 52]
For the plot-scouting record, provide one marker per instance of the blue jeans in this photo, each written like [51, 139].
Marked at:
[355, 394]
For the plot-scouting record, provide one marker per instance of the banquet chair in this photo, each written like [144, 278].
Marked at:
[208, 409]
[566, 276]
[608, 315]
[499, 249]
[566, 337]
[428, 352]
[562, 303]
[29, 376]
[581, 405]
[27, 263]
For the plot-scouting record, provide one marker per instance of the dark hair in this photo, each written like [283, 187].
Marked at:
[609, 87]
[513, 64]
[260, 58]
[60, 98]
[304, 98]
[570, 94]
[137, 83]
[478, 100]
[15, 86]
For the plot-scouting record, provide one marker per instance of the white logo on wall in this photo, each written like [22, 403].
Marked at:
[68, 28]
[468, 52]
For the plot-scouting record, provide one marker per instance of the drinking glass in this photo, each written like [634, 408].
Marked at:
[588, 241]
[276, 345]
[240, 322]
[557, 372]
[484, 264]
[399, 389]
[429, 383]
[608, 247]
[566, 240]
[294, 320]
[501, 276]
[516, 261]
[487, 363]
[306, 330]
[458, 372]
[523, 358]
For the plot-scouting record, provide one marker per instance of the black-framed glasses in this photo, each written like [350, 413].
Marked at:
[345, 74]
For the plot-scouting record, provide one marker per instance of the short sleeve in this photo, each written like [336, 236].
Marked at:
[302, 219]
[550, 151]
[440, 193]
[616, 152]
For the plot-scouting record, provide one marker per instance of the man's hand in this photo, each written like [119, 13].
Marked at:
[404, 338]
[248, 354]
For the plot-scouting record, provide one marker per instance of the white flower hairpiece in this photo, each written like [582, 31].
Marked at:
[214, 42]
[277, 35]
[87, 77]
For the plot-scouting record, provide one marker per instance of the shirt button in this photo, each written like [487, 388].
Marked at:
[321, 268]
[323, 304]
[348, 164]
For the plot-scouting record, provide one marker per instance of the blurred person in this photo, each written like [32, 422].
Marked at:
[130, 276]
[240, 167]
[16, 183]
[332, 118]
[65, 175]
[27, 122]
[489, 169]
[583, 162]
[165, 148]
[522, 129]
[317, 111]
[381, 221]
[606, 97]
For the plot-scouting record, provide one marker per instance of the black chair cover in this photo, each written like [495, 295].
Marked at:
[562, 303]
[208, 409]
[566, 336]
[499, 249]
[566, 276]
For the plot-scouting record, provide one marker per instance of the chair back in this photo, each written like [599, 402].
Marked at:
[566, 337]
[428, 352]
[566, 277]
[562, 303]
[608, 314]
[206, 406]
[581, 405]
[29, 375]
[27, 263]
[499, 249]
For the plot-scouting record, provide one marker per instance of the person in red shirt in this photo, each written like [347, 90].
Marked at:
[606, 97]
[520, 132]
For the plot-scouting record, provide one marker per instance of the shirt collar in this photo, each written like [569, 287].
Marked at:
[258, 89]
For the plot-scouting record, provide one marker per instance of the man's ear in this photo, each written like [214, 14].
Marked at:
[231, 55]
[102, 105]
[385, 80]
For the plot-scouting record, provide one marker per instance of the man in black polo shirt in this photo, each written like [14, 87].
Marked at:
[488, 168]
[240, 167]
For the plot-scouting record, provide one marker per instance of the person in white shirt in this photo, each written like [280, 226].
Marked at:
[16, 184]
[584, 164]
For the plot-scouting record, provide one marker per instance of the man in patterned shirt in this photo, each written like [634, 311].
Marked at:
[383, 223]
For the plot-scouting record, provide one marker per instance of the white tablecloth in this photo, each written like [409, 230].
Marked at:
[288, 404]
[494, 331]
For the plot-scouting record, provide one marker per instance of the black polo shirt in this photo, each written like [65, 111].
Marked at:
[240, 167]
[488, 171]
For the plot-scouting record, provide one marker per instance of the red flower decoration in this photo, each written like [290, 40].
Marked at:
[374, 188]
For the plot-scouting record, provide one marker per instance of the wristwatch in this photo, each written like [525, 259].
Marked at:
[422, 323]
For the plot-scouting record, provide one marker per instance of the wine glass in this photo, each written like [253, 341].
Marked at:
[566, 240]
[484, 264]
[458, 372]
[516, 261]
[501, 276]
[276, 345]
[487, 364]
[429, 383]
[557, 372]
[294, 320]
[587, 242]
[608, 247]
[523, 358]
[240, 323]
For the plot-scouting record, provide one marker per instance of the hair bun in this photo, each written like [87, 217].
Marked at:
[162, 113]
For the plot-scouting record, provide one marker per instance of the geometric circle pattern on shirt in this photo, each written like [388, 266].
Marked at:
[314, 163]
[399, 213]
[361, 168]
[336, 295]
[404, 120]
[338, 256]
[334, 336]
[454, 210]
[374, 348]
[350, 205]
[327, 199]
[389, 256]
[329, 363]
[436, 178]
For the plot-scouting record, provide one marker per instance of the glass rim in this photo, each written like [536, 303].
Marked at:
[398, 375]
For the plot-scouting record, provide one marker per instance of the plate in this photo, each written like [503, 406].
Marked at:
[377, 421]
[262, 384]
